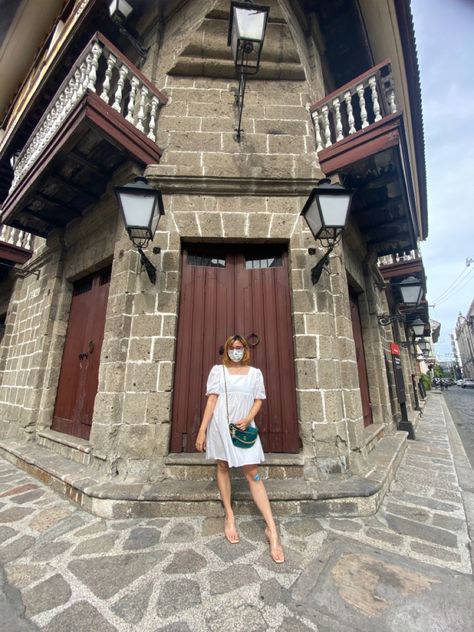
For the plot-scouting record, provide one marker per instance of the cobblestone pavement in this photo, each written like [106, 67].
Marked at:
[406, 568]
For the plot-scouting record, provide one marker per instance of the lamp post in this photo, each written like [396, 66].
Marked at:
[325, 213]
[247, 25]
[141, 207]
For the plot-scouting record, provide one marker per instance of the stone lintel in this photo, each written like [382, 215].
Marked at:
[209, 185]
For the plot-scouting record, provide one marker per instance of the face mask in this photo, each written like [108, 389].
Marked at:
[235, 355]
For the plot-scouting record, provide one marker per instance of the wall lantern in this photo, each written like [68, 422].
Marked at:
[141, 207]
[325, 213]
[418, 327]
[411, 290]
[388, 319]
[424, 345]
[247, 25]
[119, 11]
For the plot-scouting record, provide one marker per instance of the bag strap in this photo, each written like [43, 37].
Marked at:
[226, 398]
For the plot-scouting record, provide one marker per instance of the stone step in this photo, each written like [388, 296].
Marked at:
[194, 467]
[353, 496]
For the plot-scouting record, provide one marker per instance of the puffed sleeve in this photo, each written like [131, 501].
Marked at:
[214, 380]
[259, 388]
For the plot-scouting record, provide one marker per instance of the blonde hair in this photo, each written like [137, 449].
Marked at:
[225, 356]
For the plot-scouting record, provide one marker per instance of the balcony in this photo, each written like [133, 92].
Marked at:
[15, 248]
[360, 136]
[103, 115]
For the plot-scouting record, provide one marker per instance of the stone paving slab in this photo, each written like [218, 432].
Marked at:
[407, 567]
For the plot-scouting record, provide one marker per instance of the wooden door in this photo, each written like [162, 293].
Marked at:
[79, 375]
[224, 291]
[360, 356]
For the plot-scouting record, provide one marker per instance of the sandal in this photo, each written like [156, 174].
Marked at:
[276, 549]
[230, 532]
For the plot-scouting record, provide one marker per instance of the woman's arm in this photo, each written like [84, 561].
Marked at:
[246, 421]
[206, 418]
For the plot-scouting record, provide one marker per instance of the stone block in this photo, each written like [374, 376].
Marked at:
[144, 303]
[306, 374]
[328, 374]
[333, 407]
[220, 124]
[134, 408]
[306, 347]
[250, 144]
[140, 349]
[297, 283]
[286, 144]
[211, 225]
[352, 404]
[112, 377]
[141, 377]
[285, 112]
[165, 376]
[136, 441]
[275, 127]
[146, 325]
[234, 224]
[310, 406]
[170, 261]
[108, 407]
[187, 224]
[327, 347]
[158, 407]
[163, 349]
[282, 226]
[170, 323]
[259, 225]
[303, 301]
[167, 302]
[196, 141]
[183, 159]
[180, 124]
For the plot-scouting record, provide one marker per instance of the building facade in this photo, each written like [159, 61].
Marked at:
[108, 370]
[464, 336]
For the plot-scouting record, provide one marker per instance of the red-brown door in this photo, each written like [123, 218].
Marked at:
[224, 291]
[360, 356]
[79, 375]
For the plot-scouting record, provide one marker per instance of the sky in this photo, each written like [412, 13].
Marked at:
[444, 31]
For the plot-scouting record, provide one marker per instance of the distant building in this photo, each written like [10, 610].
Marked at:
[465, 341]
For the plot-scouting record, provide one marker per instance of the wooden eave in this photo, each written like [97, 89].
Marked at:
[13, 254]
[375, 162]
[413, 267]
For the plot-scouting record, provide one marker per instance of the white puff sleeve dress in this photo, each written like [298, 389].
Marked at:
[242, 391]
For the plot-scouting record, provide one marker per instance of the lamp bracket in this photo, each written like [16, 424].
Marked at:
[388, 319]
[147, 264]
[133, 41]
[320, 266]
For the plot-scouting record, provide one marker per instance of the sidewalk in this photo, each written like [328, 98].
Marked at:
[408, 567]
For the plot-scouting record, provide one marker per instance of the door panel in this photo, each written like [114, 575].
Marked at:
[360, 356]
[236, 289]
[78, 379]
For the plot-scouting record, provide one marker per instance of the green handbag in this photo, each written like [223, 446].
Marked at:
[240, 438]
[243, 438]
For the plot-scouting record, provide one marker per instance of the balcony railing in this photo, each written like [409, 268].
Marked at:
[15, 237]
[104, 70]
[354, 107]
[387, 260]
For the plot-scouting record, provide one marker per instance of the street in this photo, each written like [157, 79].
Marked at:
[460, 402]
[407, 568]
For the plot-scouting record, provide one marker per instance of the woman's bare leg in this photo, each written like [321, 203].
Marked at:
[225, 490]
[260, 497]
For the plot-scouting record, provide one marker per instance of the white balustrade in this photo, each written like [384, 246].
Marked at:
[354, 106]
[15, 237]
[102, 69]
[398, 257]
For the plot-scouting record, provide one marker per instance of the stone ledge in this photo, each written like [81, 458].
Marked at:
[356, 496]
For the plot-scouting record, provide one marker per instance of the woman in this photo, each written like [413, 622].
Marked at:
[245, 392]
